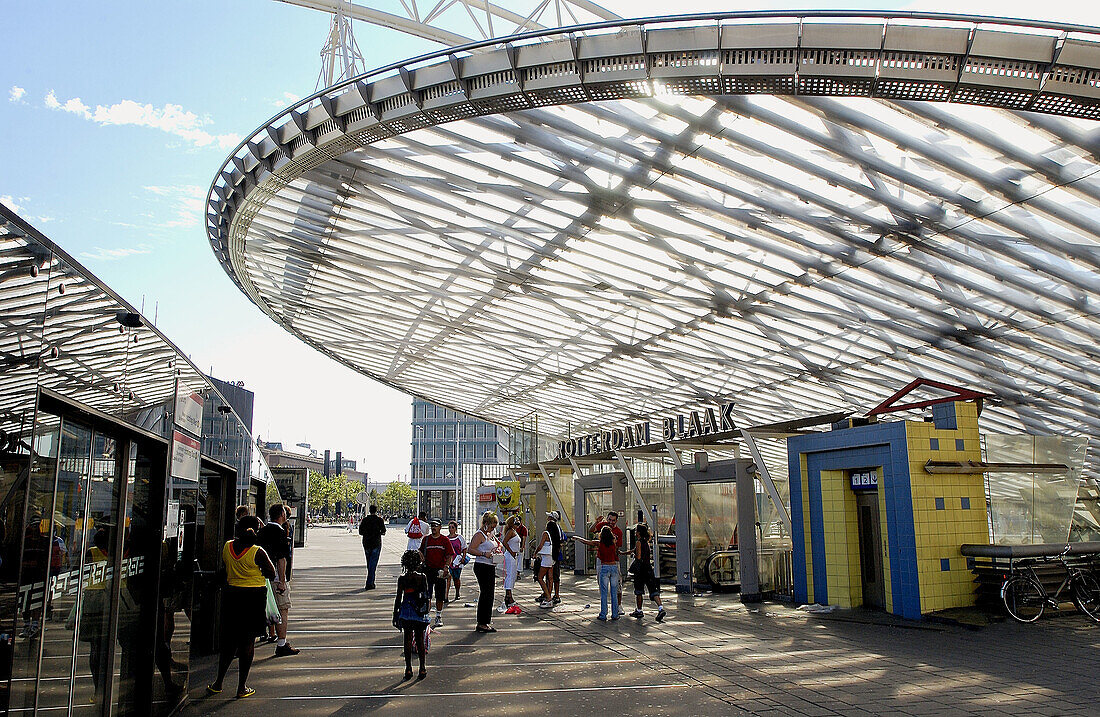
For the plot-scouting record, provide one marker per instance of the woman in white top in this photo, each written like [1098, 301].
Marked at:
[511, 559]
[545, 552]
[483, 546]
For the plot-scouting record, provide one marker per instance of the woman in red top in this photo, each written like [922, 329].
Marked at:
[607, 562]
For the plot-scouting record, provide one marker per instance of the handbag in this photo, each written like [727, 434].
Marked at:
[536, 566]
[272, 615]
[633, 567]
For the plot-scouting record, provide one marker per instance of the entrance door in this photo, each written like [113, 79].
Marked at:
[870, 550]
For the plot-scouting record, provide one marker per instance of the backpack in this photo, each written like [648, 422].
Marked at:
[415, 531]
[556, 537]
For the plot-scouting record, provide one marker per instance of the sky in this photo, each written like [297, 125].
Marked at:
[115, 117]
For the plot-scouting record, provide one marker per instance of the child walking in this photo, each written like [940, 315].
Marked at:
[410, 609]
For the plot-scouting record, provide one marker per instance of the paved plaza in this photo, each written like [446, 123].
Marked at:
[711, 656]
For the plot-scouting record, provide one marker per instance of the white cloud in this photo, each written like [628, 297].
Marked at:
[12, 203]
[15, 94]
[170, 118]
[285, 100]
[102, 254]
[188, 202]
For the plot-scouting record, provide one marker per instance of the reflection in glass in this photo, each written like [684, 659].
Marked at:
[713, 522]
[34, 563]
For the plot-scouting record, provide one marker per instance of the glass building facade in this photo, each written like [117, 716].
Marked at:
[110, 530]
[444, 442]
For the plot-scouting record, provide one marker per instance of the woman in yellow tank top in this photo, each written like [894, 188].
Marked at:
[247, 568]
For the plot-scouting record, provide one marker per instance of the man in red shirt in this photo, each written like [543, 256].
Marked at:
[438, 554]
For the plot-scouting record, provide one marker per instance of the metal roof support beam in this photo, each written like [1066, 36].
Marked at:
[766, 479]
[554, 494]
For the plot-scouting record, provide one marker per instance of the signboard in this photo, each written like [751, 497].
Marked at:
[293, 483]
[185, 457]
[486, 494]
[507, 494]
[864, 479]
[189, 413]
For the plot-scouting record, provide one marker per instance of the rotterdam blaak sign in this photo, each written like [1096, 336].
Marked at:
[685, 425]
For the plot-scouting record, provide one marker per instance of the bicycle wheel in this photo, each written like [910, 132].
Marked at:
[1023, 599]
[1086, 595]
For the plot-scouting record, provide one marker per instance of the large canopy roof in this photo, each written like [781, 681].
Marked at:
[608, 223]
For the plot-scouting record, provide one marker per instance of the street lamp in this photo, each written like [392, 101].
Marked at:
[419, 434]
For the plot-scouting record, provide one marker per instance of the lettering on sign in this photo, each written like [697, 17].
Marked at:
[189, 413]
[864, 479]
[694, 424]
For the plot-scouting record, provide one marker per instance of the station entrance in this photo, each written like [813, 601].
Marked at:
[594, 496]
[870, 550]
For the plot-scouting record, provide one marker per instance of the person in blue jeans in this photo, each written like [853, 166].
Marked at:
[372, 528]
[607, 565]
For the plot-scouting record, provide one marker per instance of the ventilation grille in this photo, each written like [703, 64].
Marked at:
[1057, 104]
[758, 58]
[440, 91]
[620, 63]
[558, 95]
[1009, 99]
[838, 58]
[397, 102]
[688, 86]
[693, 58]
[462, 110]
[620, 90]
[909, 90]
[1028, 71]
[503, 77]
[758, 85]
[919, 62]
[543, 72]
[830, 86]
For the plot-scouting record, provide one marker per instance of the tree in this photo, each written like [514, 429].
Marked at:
[325, 493]
[397, 499]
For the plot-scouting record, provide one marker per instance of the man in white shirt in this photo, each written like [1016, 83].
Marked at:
[416, 530]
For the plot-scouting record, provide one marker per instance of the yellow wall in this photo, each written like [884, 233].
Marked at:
[940, 532]
[838, 505]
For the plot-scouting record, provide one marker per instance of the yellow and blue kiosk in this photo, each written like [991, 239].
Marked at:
[874, 523]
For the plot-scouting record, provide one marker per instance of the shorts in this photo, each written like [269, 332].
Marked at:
[645, 579]
[545, 561]
[282, 599]
[437, 580]
[456, 572]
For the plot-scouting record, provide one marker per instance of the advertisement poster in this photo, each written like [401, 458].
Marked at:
[507, 495]
[185, 457]
[189, 412]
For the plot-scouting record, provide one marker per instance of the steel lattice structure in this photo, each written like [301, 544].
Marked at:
[606, 223]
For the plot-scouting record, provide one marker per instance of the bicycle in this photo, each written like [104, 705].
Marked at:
[1025, 598]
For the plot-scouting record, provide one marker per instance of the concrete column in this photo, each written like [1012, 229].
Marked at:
[579, 528]
[682, 509]
[618, 503]
[748, 555]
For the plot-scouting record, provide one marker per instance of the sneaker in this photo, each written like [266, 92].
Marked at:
[501, 608]
[636, 613]
[601, 618]
[546, 604]
[660, 613]
[284, 650]
[513, 610]
[438, 621]
[557, 600]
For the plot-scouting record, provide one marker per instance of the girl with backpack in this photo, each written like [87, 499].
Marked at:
[644, 577]
[410, 610]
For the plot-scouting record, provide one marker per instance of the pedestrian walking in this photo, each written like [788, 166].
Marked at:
[458, 543]
[484, 546]
[416, 529]
[511, 546]
[607, 561]
[438, 554]
[557, 538]
[273, 539]
[244, 602]
[372, 528]
[644, 577]
[410, 610]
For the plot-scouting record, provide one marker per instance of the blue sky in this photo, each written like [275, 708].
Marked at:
[115, 116]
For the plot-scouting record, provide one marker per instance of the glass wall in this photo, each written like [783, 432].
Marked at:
[87, 605]
[1026, 508]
